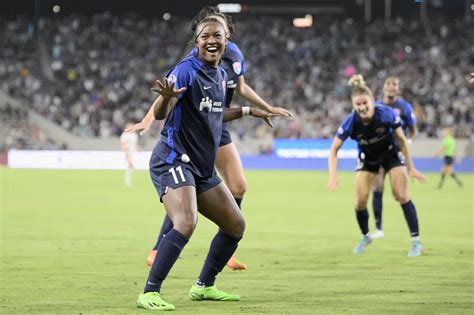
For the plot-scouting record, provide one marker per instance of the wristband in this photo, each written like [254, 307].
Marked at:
[245, 111]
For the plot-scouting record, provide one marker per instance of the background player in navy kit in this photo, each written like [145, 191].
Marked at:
[182, 165]
[228, 161]
[391, 92]
[378, 132]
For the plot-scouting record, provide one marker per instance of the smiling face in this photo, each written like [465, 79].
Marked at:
[391, 88]
[211, 41]
[363, 105]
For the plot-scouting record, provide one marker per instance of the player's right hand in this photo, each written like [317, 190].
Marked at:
[333, 182]
[143, 126]
[415, 174]
[166, 90]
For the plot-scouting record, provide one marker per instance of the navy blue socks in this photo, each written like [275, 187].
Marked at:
[169, 249]
[222, 248]
[377, 206]
[363, 220]
[165, 228]
[409, 211]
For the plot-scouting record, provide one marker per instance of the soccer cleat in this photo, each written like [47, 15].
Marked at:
[377, 234]
[362, 246]
[153, 301]
[211, 294]
[151, 257]
[235, 264]
[416, 249]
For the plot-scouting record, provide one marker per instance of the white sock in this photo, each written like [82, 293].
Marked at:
[415, 238]
[128, 177]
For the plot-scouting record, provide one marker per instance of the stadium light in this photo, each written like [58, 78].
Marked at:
[307, 21]
[230, 7]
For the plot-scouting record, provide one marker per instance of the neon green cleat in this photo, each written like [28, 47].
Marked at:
[211, 294]
[153, 301]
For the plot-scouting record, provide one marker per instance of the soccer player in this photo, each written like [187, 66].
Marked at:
[381, 143]
[391, 92]
[449, 152]
[228, 161]
[129, 145]
[192, 100]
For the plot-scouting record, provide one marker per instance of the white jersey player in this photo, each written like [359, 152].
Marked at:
[129, 145]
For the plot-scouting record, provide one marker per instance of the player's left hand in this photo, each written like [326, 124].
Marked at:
[415, 174]
[255, 112]
[280, 111]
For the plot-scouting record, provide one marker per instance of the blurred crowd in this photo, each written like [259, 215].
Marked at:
[92, 74]
[16, 132]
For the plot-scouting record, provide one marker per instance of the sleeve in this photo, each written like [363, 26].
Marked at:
[395, 120]
[181, 76]
[410, 114]
[345, 129]
[238, 64]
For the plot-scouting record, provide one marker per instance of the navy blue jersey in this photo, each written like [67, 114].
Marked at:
[404, 110]
[194, 126]
[233, 63]
[376, 139]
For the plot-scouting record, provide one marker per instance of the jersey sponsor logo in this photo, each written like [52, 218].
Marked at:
[380, 130]
[206, 104]
[209, 106]
[237, 66]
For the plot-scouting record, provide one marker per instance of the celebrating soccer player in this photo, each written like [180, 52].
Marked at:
[381, 143]
[192, 100]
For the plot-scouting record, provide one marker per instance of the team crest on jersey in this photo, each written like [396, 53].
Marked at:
[171, 79]
[380, 130]
[237, 66]
[398, 111]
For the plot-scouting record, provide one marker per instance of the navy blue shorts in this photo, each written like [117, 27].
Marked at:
[448, 160]
[225, 138]
[178, 174]
[393, 159]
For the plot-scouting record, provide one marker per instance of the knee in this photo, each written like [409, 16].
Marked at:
[379, 186]
[237, 229]
[361, 202]
[185, 224]
[238, 188]
[401, 197]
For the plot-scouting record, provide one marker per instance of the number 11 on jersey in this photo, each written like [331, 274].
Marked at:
[178, 170]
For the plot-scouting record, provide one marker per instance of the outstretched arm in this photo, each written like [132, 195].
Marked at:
[333, 181]
[236, 113]
[246, 92]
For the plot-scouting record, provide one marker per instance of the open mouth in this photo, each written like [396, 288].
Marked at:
[212, 49]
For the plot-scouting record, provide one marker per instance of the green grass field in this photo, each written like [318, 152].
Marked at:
[75, 242]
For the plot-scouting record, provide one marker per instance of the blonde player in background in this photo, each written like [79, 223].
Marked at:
[129, 145]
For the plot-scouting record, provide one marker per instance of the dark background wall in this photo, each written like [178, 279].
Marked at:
[151, 8]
